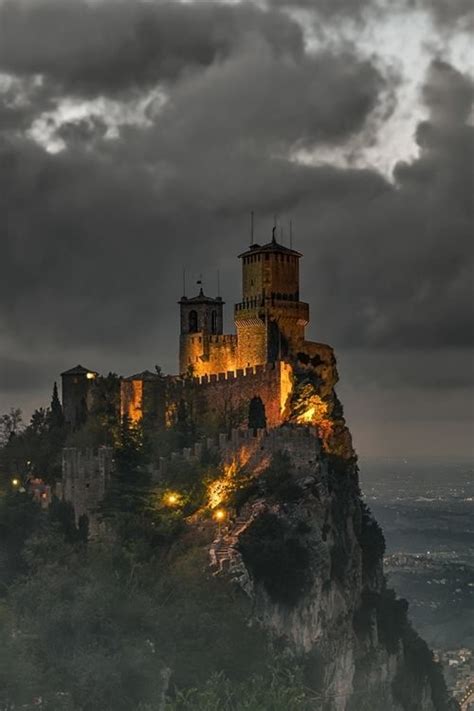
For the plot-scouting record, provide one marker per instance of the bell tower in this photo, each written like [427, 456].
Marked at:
[201, 320]
[270, 320]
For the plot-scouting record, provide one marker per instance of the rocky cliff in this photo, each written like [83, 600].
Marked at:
[309, 554]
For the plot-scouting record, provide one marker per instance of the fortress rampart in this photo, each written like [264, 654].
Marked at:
[86, 474]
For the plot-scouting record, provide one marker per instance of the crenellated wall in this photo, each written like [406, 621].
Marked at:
[222, 400]
[85, 476]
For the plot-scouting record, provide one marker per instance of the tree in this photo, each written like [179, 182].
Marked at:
[10, 425]
[56, 417]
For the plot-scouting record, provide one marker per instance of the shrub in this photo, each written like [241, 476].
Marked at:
[278, 482]
[371, 541]
[275, 557]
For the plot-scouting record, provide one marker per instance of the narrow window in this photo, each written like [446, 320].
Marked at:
[193, 321]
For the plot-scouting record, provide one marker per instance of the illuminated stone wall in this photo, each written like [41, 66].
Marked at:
[251, 339]
[144, 395]
[223, 400]
[206, 354]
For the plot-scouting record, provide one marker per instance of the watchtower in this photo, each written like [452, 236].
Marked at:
[201, 321]
[270, 320]
[77, 391]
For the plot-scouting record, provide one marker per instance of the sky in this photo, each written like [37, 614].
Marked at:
[136, 138]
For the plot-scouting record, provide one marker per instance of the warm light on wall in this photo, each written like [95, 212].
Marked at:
[307, 416]
[90, 376]
[219, 515]
[172, 499]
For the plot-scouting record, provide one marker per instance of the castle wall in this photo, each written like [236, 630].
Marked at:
[85, 477]
[251, 339]
[131, 400]
[207, 354]
[223, 400]
[144, 398]
[77, 398]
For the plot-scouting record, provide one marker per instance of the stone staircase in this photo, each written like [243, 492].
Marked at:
[223, 552]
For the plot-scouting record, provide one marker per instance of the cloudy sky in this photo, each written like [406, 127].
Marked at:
[136, 137]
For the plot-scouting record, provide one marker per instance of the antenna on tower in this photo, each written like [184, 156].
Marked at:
[251, 227]
[291, 234]
[274, 228]
[184, 281]
[218, 283]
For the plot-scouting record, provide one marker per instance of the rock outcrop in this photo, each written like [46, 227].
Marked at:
[309, 554]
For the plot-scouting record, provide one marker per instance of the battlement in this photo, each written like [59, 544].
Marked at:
[256, 370]
[301, 443]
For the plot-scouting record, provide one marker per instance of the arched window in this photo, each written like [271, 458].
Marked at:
[214, 322]
[193, 321]
[257, 418]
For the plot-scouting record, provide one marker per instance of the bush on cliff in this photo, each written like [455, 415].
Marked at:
[274, 555]
[418, 667]
[371, 541]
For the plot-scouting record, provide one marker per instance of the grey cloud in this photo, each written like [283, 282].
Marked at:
[448, 14]
[115, 45]
[94, 238]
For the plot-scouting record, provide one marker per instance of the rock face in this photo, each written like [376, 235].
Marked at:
[309, 554]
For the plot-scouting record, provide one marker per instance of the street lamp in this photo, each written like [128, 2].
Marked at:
[220, 516]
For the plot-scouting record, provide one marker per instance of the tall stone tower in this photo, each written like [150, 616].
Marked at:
[270, 320]
[77, 391]
[201, 325]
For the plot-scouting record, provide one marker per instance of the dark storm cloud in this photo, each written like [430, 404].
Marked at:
[115, 45]
[95, 237]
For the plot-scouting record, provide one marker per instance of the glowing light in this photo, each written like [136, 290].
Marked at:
[90, 376]
[172, 499]
[219, 515]
[15, 482]
[307, 416]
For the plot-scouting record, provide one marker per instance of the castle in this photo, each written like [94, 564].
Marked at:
[244, 379]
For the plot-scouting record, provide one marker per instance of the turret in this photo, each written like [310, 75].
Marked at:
[201, 319]
[77, 392]
[270, 320]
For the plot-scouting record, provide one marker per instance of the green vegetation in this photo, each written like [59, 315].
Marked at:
[136, 620]
[113, 625]
[275, 556]
[372, 542]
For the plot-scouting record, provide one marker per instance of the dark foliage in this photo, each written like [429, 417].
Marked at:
[419, 667]
[20, 516]
[278, 483]
[390, 614]
[275, 557]
[372, 542]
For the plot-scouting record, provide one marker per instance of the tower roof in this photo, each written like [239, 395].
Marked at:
[273, 247]
[79, 370]
[201, 298]
[145, 375]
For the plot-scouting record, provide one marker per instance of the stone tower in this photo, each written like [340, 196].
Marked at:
[77, 393]
[201, 326]
[270, 320]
